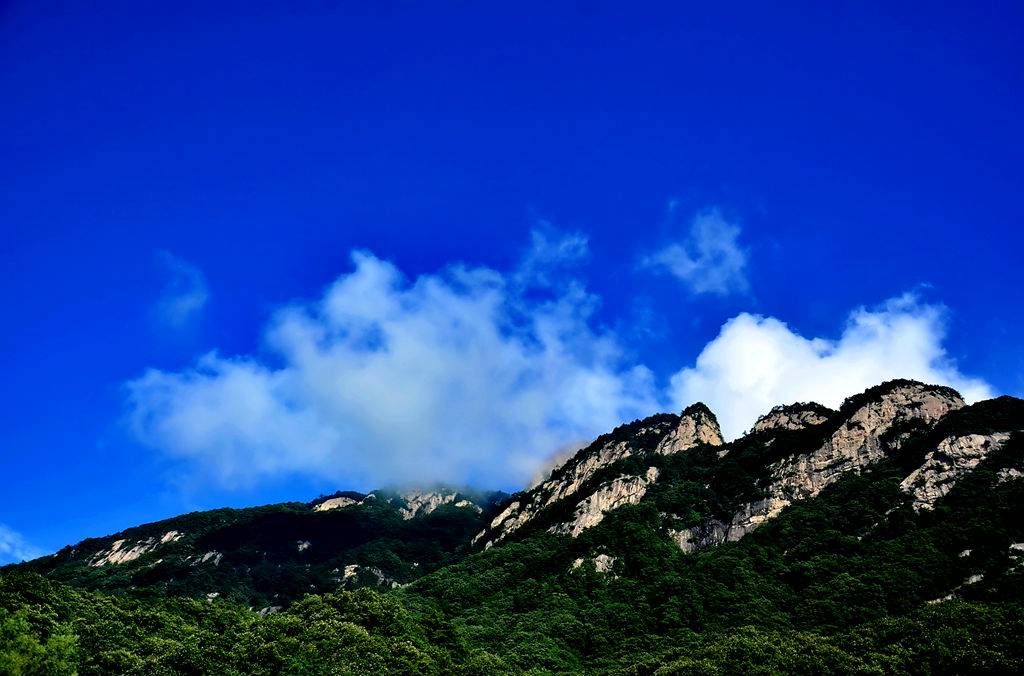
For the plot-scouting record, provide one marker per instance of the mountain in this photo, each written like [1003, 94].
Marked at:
[882, 537]
[792, 453]
[266, 557]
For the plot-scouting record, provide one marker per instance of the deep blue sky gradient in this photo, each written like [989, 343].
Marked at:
[867, 150]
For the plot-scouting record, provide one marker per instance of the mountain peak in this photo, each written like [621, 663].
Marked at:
[698, 408]
[796, 416]
[904, 390]
[697, 425]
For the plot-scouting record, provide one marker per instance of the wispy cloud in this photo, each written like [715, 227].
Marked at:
[14, 548]
[454, 376]
[709, 259]
[185, 294]
[552, 253]
[757, 362]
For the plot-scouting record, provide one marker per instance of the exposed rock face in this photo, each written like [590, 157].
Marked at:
[602, 563]
[853, 446]
[553, 490]
[509, 519]
[565, 482]
[121, 551]
[208, 557]
[697, 425]
[353, 571]
[703, 535]
[424, 503]
[170, 536]
[334, 503]
[954, 457]
[666, 434]
[792, 417]
[421, 504]
[590, 511]
[1009, 474]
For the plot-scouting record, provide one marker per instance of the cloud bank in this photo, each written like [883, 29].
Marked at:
[473, 376]
[709, 260]
[14, 548]
[455, 376]
[757, 362]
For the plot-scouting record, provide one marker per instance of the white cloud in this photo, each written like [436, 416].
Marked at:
[474, 376]
[710, 258]
[185, 294]
[14, 548]
[454, 376]
[758, 362]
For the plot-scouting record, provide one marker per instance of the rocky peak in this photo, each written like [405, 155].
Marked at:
[658, 434]
[639, 437]
[798, 416]
[855, 443]
[697, 425]
[879, 408]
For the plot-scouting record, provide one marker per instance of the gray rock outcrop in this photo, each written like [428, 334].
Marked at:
[855, 445]
[696, 425]
[624, 490]
[952, 458]
[792, 417]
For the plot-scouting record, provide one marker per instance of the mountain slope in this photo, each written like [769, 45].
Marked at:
[856, 553]
[883, 537]
[268, 556]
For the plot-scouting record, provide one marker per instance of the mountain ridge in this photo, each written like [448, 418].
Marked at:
[618, 468]
[819, 529]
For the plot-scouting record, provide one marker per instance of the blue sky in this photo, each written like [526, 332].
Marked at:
[255, 252]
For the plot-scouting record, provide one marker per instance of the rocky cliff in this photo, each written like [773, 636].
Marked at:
[805, 448]
[625, 490]
[573, 481]
[857, 440]
[951, 459]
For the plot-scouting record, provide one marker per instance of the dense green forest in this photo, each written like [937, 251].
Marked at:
[50, 628]
[854, 580]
